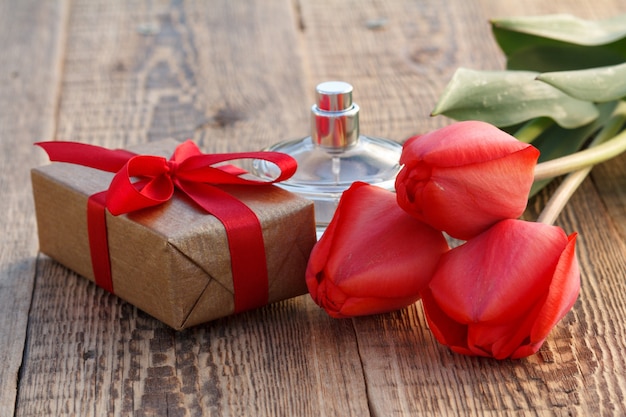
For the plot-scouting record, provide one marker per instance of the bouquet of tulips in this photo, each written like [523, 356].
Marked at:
[501, 291]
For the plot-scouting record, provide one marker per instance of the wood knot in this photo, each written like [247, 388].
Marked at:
[227, 116]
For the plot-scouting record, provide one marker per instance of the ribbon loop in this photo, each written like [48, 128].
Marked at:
[154, 185]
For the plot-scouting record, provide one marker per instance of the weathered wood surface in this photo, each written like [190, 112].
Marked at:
[31, 42]
[237, 75]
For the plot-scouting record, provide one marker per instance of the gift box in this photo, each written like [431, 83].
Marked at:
[174, 260]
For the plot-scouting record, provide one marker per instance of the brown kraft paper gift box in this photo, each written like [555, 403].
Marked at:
[171, 261]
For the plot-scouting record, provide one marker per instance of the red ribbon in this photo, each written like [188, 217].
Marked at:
[143, 181]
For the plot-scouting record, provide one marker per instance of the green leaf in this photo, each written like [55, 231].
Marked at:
[556, 141]
[529, 131]
[560, 42]
[567, 28]
[594, 84]
[548, 58]
[505, 98]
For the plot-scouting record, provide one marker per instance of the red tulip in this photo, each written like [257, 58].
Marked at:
[373, 257]
[500, 294]
[465, 177]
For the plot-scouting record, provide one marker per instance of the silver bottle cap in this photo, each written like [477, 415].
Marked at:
[335, 118]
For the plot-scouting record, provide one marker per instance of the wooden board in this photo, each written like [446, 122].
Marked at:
[236, 76]
[31, 39]
[405, 64]
[136, 73]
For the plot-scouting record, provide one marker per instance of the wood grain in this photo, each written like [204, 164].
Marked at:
[579, 370]
[405, 65]
[240, 75]
[98, 355]
[142, 72]
[610, 180]
[30, 40]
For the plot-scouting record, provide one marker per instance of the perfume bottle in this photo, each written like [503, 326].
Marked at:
[335, 155]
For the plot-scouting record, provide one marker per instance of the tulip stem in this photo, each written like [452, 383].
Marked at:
[532, 129]
[600, 150]
[561, 196]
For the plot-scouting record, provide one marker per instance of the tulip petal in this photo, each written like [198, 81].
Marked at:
[500, 341]
[465, 177]
[373, 257]
[498, 275]
[465, 201]
[380, 243]
[496, 341]
[461, 143]
[501, 293]
[562, 294]
[362, 306]
[527, 350]
[446, 330]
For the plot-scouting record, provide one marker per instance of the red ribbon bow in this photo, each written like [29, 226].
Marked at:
[143, 181]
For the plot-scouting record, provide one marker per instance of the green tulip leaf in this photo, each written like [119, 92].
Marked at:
[505, 98]
[595, 84]
[567, 28]
[549, 58]
[560, 42]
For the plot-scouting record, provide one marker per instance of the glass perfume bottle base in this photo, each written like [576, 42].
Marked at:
[323, 177]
